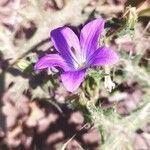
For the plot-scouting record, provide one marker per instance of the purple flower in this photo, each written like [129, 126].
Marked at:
[75, 55]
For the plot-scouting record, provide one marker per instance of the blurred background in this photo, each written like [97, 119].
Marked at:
[37, 113]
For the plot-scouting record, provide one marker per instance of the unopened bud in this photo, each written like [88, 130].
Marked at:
[108, 83]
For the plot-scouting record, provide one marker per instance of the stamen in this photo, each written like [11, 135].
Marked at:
[74, 56]
[73, 50]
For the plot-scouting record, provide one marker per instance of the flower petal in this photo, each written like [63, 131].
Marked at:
[66, 43]
[51, 60]
[73, 79]
[103, 56]
[89, 36]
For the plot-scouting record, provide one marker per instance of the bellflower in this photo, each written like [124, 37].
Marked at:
[75, 55]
